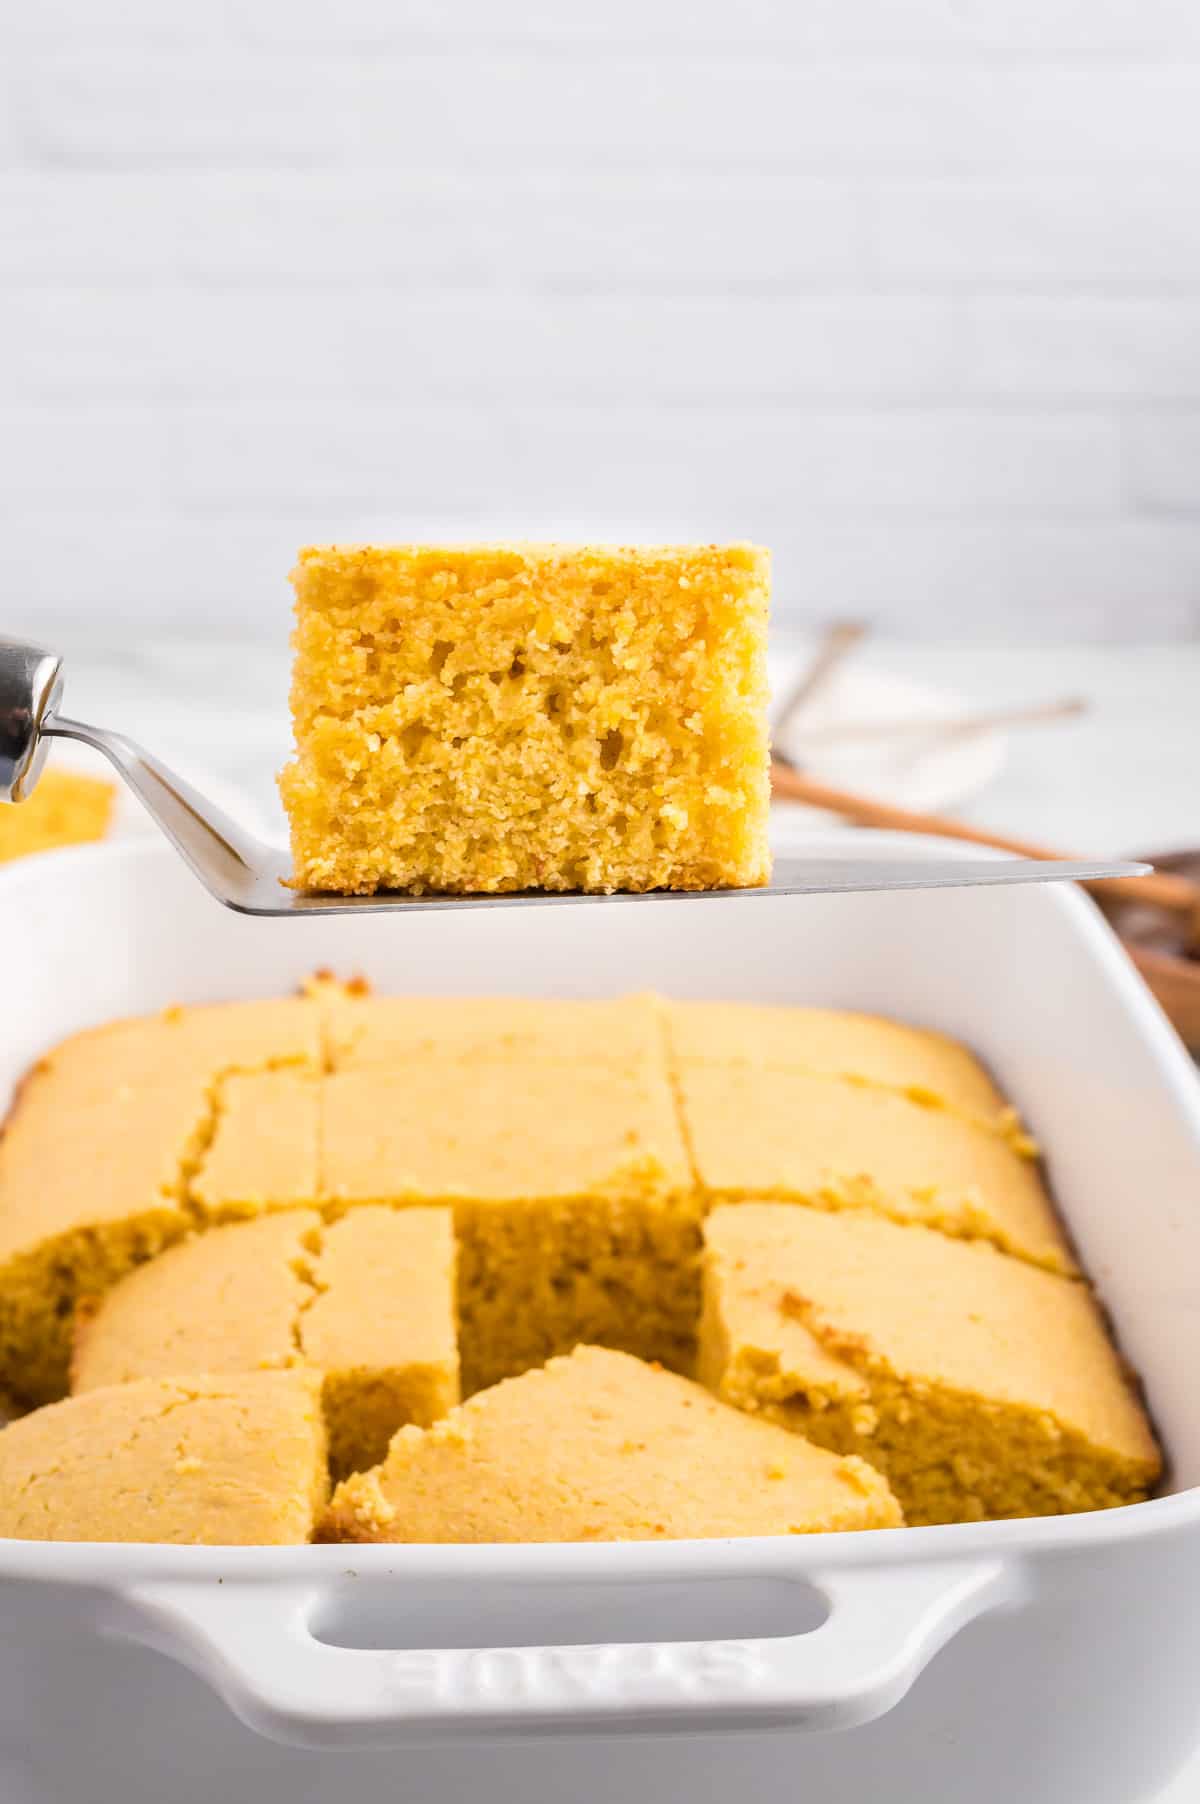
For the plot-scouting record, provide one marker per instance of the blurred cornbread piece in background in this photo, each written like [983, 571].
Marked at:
[263, 1151]
[571, 1191]
[508, 717]
[368, 1302]
[767, 1132]
[980, 1385]
[65, 809]
[925, 1066]
[601, 1447]
[224, 1462]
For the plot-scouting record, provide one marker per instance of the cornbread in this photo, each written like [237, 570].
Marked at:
[368, 1302]
[924, 1066]
[65, 809]
[601, 1447]
[980, 1385]
[84, 1196]
[98, 1155]
[571, 1193]
[210, 1461]
[508, 717]
[263, 1152]
[382, 1032]
[758, 1132]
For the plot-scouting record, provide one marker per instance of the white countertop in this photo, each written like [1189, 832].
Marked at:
[1122, 778]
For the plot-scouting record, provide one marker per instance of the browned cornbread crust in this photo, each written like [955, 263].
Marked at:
[507, 717]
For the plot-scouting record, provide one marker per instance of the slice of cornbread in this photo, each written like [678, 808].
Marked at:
[263, 1153]
[85, 1194]
[181, 1044]
[980, 1385]
[66, 809]
[768, 1132]
[507, 717]
[368, 1302]
[225, 1301]
[600, 1447]
[926, 1067]
[365, 1031]
[571, 1192]
[381, 1327]
[216, 1461]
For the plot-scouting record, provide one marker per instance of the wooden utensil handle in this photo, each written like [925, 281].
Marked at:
[1162, 888]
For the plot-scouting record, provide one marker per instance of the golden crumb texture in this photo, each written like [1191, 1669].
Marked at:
[508, 717]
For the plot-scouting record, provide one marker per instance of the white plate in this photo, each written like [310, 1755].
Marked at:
[130, 820]
[911, 771]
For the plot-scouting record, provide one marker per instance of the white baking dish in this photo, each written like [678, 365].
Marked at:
[1074, 1643]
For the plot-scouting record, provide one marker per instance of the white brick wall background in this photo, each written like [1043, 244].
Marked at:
[908, 289]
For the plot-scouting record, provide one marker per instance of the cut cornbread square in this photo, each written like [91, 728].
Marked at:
[66, 809]
[84, 1196]
[768, 1132]
[381, 1327]
[381, 1031]
[506, 717]
[181, 1044]
[224, 1301]
[236, 1461]
[263, 1153]
[571, 1193]
[923, 1065]
[980, 1385]
[601, 1447]
[368, 1302]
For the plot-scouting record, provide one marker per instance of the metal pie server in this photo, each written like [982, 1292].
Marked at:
[249, 875]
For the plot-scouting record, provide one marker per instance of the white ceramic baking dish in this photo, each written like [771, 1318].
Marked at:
[1051, 1660]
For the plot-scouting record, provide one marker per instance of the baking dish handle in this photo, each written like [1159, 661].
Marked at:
[253, 1643]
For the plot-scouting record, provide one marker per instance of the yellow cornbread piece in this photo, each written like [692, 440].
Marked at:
[768, 1132]
[505, 717]
[220, 1302]
[84, 1196]
[381, 1327]
[66, 809]
[105, 1134]
[205, 1460]
[600, 1447]
[981, 1386]
[925, 1066]
[263, 1154]
[365, 1031]
[571, 1193]
[368, 1302]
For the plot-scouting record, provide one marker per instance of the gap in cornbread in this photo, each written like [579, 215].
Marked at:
[507, 717]
[367, 1302]
[980, 1385]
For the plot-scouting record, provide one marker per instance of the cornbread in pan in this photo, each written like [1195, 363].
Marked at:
[98, 1155]
[367, 1302]
[236, 1461]
[601, 1447]
[777, 1133]
[572, 1197]
[508, 717]
[981, 1386]
[383, 1032]
[924, 1066]
[66, 809]
[263, 1154]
